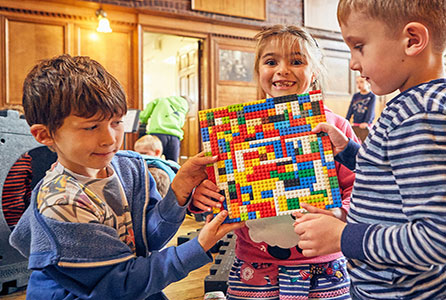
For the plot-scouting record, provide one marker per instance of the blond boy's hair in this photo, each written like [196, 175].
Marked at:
[397, 13]
[288, 37]
[149, 142]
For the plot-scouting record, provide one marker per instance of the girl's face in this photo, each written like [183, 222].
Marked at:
[284, 73]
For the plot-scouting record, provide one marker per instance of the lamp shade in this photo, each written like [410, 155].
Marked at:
[103, 22]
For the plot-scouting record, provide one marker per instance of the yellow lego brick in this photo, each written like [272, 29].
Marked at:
[220, 164]
[256, 162]
[307, 105]
[289, 168]
[271, 112]
[222, 178]
[245, 197]
[271, 156]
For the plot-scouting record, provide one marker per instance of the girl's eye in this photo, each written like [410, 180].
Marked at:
[270, 62]
[296, 62]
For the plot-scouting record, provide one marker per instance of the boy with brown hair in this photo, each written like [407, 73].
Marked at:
[395, 231]
[96, 223]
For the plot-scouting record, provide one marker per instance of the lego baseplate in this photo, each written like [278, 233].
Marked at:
[269, 161]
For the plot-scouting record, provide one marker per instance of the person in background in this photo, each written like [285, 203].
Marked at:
[96, 226]
[165, 119]
[394, 237]
[163, 171]
[362, 106]
[268, 263]
[149, 145]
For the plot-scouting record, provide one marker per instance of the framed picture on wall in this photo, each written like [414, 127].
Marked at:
[235, 65]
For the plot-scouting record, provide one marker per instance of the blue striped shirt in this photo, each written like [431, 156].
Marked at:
[395, 238]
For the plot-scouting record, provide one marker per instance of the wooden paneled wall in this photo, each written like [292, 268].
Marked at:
[41, 31]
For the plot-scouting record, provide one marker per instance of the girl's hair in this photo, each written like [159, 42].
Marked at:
[288, 37]
[397, 13]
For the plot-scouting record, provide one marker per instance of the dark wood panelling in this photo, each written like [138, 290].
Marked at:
[28, 42]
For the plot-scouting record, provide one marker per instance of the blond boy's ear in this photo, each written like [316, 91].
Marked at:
[42, 134]
[417, 37]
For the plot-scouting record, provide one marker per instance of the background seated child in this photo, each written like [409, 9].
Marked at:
[149, 145]
[163, 171]
[96, 224]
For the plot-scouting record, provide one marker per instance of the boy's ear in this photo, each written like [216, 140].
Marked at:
[42, 134]
[417, 36]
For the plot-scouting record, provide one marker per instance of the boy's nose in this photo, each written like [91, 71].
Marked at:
[354, 64]
[108, 137]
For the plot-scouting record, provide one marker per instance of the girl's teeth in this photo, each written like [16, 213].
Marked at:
[280, 84]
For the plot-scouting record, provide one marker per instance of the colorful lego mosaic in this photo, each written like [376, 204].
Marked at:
[268, 159]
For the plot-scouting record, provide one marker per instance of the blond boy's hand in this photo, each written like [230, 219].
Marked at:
[338, 139]
[320, 233]
[214, 230]
[206, 196]
[191, 174]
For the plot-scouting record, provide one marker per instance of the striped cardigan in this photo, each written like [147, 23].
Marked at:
[395, 238]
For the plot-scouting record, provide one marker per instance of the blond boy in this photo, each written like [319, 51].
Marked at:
[395, 232]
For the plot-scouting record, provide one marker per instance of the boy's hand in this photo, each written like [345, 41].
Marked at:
[205, 196]
[336, 212]
[320, 233]
[337, 137]
[190, 175]
[213, 230]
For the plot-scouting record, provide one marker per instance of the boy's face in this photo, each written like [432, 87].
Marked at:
[362, 84]
[377, 55]
[86, 146]
[282, 73]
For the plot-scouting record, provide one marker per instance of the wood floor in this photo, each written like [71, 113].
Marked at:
[190, 288]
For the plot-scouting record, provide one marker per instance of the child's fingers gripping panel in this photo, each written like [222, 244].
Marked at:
[268, 160]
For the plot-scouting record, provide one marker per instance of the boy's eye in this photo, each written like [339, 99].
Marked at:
[358, 47]
[91, 128]
[118, 122]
